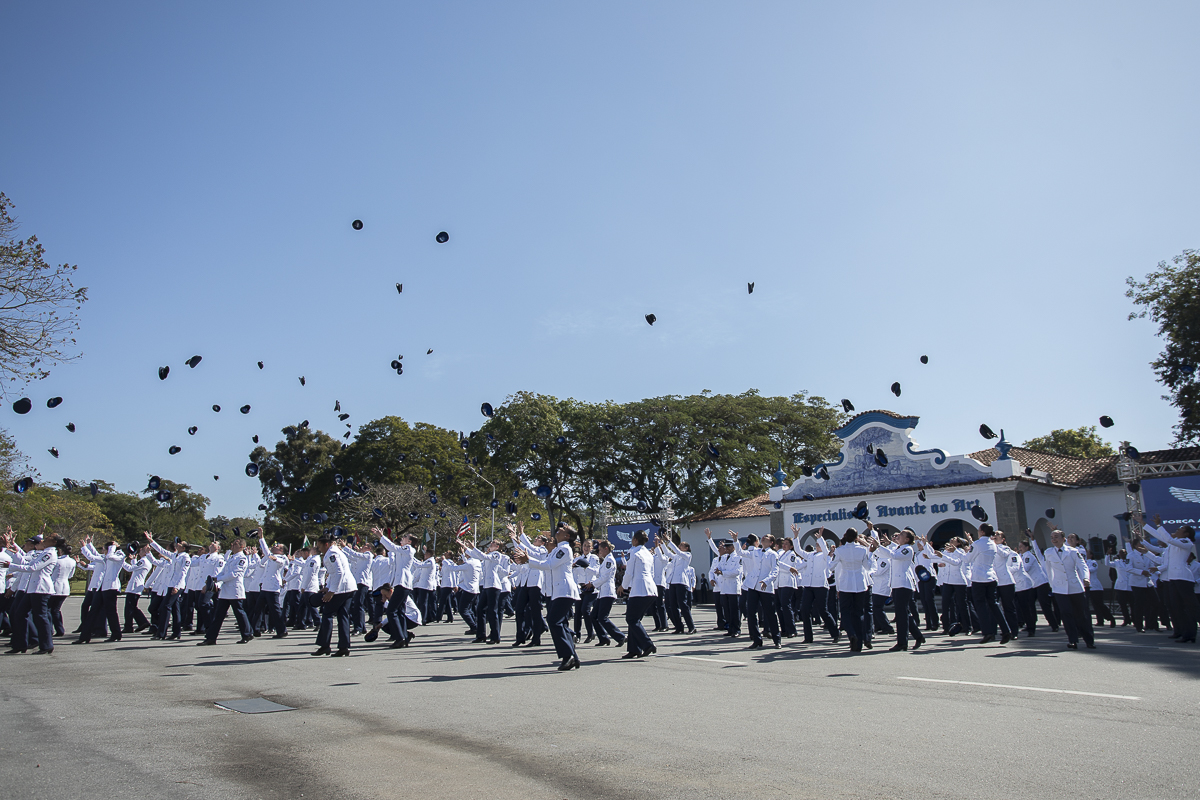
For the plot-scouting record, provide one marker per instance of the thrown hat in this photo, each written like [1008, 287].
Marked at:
[399, 288]
[154, 483]
[750, 287]
[847, 406]
[486, 409]
[173, 449]
[192, 430]
[1133, 487]
[924, 359]
[861, 511]
[301, 380]
[260, 365]
[255, 438]
[251, 470]
[651, 318]
[712, 450]
[1050, 513]
[896, 388]
[245, 409]
[442, 237]
[535, 516]
[978, 513]
[23, 406]
[808, 497]
[23, 485]
[987, 432]
[93, 487]
[377, 512]
[54, 402]
[1106, 422]
[193, 361]
[921, 495]
[53, 451]
[823, 474]
[881, 458]
[163, 372]
[164, 497]
[494, 504]
[357, 225]
[71, 427]
[216, 408]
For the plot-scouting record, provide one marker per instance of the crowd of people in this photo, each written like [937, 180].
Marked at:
[554, 584]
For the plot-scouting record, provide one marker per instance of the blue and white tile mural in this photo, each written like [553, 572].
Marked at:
[855, 471]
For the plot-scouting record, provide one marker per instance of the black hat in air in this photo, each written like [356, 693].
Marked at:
[54, 402]
[978, 513]
[442, 237]
[23, 406]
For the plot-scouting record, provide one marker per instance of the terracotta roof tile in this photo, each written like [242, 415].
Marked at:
[754, 507]
[1084, 471]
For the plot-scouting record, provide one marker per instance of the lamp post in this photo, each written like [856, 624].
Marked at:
[479, 475]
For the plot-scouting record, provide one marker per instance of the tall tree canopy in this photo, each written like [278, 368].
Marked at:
[38, 306]
[1081, 442]
[1170, 296]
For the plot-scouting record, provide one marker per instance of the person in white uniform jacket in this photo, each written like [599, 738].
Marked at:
[402, 557]
[179, 562]
[679, 606]
[232, 595]
[759, 588]
[984, 594]
[563, 593]
[1038, 591]
[38, 566]
[1177, 575]
[641, 593]
[64, 570]
[901, 557]
[532, 586]
[814, 584]
[335, 602]
[492, 561]
[1069, 579]
[851, 564]
[138, 566]
[271, 569]
[729, 570]
[606, 594]
[105, 604]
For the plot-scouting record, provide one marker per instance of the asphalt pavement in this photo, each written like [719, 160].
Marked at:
[704, 718]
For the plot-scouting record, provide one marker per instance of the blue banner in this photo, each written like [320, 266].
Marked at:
[620, 536]
[1176, 499]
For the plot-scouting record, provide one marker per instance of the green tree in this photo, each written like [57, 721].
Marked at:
[57, 512]
[38, 306]
[1082, 442]
[1170, 296]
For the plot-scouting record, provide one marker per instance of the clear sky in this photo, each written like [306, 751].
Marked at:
[969, 181]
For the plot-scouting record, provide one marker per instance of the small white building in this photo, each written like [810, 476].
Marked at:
[745, 517]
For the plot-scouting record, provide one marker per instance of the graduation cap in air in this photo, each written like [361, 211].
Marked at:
[807, 470]
[357, 225]
[978, 513]
[94, 488]
[1133, 487]
[896, 388]
[216, 408]
[69, 484]
[1029, 470]
[192, 430]
[377, 512]
[987, 432]
[466, 501]
[494, 504]
[399, 288]
[154, 483]
[924, 359]
[1106, 422]
[71, 427]
[921, 495]
[442, 237]
[255, 438]
[847, 406]
[779, 505]
[561, 440]
[413, 515]
[163, 372]
[338, 479]
[823, 474]
[164, 497]
[1050, 513]
[23, 485]
[535, 516]
[860, 510]
[337, 405]
[130, 548]
[193, 361]
[651, 318]
[174, 449]
[432, 499]
[750, 287]
[429, 351]
[262, 506]
[533, 446]
[881, 458]
[510, 507]
[260, 365]
[54, 402]
[53, 451]
[245, 409]
[871, 449]
[808, 497]
[23, 406]
[301, 380]
[641, 505]
[251, 470]
[712, 450]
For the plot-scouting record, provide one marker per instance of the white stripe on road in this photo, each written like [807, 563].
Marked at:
[1022, 688]
[713, 660]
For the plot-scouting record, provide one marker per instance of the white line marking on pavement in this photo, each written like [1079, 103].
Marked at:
[1022, 688]
[713, 660]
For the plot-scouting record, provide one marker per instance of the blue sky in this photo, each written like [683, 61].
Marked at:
[965, 181]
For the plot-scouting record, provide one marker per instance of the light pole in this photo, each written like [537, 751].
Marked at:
[479, 475]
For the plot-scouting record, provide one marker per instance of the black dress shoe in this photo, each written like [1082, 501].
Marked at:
[867, 644]
[917, 644]
[205, 643]
[986, 640]
[1091, 646]
[627, 655]
[896, 648]
[478, 640]
[1072, 645]
[691, 630]
[517, 643]
[568, 663]
[81, 641]
[1005, 638]
[282, 635]
[777, 644]
[12, 651]
[588, 638]
[341, 653]
[649, 652]
[755, 645]
[601, 643]
[322, 651]
[808, 640]
[398, 644]
[245, 639]
[44, 652]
